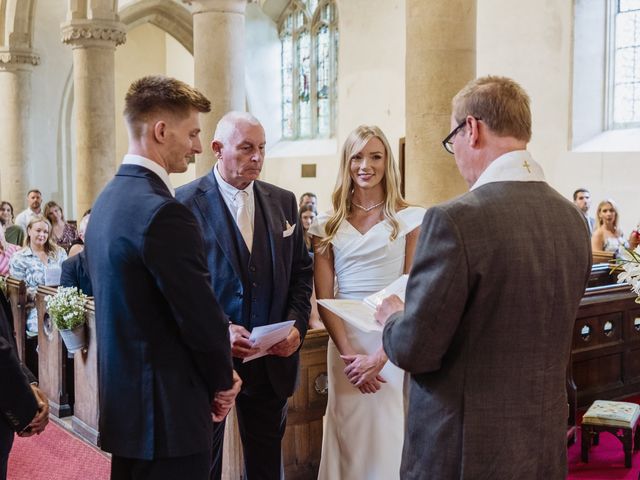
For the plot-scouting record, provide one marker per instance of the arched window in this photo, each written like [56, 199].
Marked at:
[309, 51]
[624, 70]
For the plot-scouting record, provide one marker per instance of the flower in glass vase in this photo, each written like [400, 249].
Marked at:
[629, 263]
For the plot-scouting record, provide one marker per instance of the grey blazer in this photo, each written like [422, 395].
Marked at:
[486, 334]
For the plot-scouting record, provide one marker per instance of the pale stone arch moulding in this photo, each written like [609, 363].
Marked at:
[16, 61]
[16, 24]
[168, 16]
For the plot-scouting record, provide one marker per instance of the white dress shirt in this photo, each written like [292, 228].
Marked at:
[131, 159]
[516, 166]
[229, 193]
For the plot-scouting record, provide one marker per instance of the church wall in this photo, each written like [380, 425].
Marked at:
[533, 44]
[370, 90]
[48, 79]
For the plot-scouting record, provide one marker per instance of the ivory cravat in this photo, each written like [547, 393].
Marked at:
[243, 220]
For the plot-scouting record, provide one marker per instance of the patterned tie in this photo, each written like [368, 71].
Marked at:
[243, 219]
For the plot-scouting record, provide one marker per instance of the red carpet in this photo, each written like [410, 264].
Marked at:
[56, 455]
[606, 460]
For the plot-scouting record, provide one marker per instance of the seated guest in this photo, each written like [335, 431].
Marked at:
[6, 252]
[75, 274]
[634, 238]
[582, 200]
[40, 256]
[62, 232]
[78, 244]
[12, 233]
[608, 237]
[34, 200]
[306, 215]
[308, 198]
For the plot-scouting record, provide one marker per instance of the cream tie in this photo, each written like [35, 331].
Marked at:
[243, 219]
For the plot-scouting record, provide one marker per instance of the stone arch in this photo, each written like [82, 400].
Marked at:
[170, 17]
[16, 24]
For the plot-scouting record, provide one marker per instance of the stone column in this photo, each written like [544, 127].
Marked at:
[93, 42]
[218, 56]
[15, 91]
[440, 60]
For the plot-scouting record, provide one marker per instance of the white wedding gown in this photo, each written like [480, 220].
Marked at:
[363, 433]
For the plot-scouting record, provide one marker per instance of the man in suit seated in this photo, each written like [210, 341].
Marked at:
[262, 274]
[74, 274]
[24, 408]
[486, 331]
[582, 200]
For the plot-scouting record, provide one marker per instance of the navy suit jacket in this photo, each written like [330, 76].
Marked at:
[18, 405]
[291, 264]
[74, 274]
[163, 341]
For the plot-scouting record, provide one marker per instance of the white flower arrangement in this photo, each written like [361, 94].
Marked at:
[629, 263]
[66, 307]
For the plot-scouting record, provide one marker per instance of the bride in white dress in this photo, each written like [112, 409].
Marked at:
[362, 246]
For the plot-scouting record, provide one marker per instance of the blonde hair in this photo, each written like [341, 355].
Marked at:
[341, 197]
[615, 209]
[500, 102]
[50, 247]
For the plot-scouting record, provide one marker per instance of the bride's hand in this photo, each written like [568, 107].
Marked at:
[364, 370]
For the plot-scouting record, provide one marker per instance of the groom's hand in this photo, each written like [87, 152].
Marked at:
[288, 346]
[224, 400]
[241, 346]
[388, 307]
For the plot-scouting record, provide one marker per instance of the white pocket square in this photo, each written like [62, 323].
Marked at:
[289, 230]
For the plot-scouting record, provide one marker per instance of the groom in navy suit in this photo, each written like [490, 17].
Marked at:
[164, 362]
[262, 274]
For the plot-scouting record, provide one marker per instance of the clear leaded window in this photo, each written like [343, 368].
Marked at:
[309, 42]
[625, 70]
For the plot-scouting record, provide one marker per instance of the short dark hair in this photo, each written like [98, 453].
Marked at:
[155, 93]
[308, 194]
[34, 190]
[580, 190]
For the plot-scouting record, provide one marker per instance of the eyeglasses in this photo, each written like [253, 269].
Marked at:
[447, 143]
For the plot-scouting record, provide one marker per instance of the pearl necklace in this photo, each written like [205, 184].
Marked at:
[366, 209]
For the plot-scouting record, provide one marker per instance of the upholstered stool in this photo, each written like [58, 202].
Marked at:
[618, 418]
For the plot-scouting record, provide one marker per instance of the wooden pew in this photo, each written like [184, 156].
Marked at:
[85, 408]
[606, 344]
[302, 442]
[54, 376]
[17, 296]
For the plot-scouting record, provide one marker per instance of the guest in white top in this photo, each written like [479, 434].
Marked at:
[34, 200]
[608, 237]
[367, 242]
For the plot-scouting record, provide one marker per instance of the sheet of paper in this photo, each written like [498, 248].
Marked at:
[266, 336]
[355, 312]
[397, 287]
[52, 275]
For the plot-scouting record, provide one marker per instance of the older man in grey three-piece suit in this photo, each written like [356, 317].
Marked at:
[490, 305]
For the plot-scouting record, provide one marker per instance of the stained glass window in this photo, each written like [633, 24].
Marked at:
[626, 64]
[309, 43]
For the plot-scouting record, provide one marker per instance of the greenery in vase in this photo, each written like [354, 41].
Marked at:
[66, 307]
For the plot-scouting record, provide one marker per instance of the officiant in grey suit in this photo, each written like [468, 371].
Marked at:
[496, 281]
[262, 274]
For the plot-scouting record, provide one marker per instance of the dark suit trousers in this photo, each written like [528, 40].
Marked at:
[193, 467]
[262, 418]
[6, 441]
